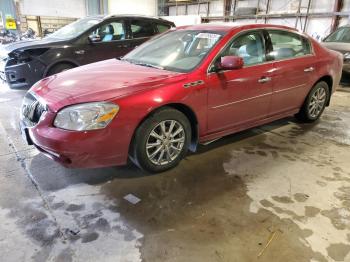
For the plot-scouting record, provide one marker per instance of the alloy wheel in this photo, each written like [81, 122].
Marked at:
[165, 142]
[317, 102]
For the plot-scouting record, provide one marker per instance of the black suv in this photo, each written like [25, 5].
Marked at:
[85, 41]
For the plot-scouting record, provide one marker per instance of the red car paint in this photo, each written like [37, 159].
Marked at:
[224, 102]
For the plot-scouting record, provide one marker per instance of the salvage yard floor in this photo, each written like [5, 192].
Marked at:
[280, 192]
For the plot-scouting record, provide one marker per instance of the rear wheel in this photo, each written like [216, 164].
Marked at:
[315, 103]
[59, 68]
[161, 141]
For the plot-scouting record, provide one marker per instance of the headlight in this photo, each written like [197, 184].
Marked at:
[346, 56]
[88, 116]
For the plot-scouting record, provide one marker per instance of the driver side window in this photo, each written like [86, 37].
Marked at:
[109, 32]
[249, 46]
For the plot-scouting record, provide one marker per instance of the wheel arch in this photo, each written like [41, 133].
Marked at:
[66, 61]
[329, 80]
[187, 111]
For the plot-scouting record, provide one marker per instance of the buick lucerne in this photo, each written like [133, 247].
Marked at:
[187, 86]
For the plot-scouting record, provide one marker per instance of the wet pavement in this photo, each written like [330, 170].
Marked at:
[280, 192]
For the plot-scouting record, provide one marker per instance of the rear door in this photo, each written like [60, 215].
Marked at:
[294, 70]
[140, 31]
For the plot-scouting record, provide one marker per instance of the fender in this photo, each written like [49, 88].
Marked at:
[65, 60]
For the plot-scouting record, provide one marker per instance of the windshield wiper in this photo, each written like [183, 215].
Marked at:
[149, 65]
[135, 62]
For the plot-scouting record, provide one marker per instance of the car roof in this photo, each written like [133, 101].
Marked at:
[135, 16]
[226, 27]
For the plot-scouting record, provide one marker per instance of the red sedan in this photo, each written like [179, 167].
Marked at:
[187, 86]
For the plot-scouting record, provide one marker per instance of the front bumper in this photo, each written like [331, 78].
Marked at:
[78, 149]
[22, 75]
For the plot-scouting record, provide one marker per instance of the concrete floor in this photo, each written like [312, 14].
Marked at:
[280, 192]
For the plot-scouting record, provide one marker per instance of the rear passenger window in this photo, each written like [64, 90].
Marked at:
[287, 45]
[141, 28]
[162, 28]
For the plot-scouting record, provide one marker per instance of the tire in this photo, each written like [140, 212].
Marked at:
[59, 68]
[315, 103]
[167, 157]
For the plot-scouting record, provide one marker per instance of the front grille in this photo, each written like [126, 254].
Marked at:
[2, 68]
[2, 75]
[32, 109]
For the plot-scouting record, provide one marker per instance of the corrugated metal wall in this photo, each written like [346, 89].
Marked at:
[315, 26]
[93, 7]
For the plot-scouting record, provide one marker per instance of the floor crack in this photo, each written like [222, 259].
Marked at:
[37, 187]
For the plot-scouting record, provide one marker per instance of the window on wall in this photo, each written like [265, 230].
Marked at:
[249, 46]
[141, 28]
[288, 45]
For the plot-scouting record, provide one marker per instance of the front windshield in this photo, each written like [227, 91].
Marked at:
[74, 29]
[179, 51]
[340, 35]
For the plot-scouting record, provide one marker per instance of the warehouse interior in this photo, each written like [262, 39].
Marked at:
[279, 191]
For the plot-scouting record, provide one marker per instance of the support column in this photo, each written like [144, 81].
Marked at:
[338, 6]
[227, 10]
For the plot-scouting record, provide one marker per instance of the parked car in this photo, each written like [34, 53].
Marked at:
[85, 41]
[6, 37]
[339, 41]
[190, 85]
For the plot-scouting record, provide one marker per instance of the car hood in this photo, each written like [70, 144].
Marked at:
[26, 44]
[100, 81]
[340, 47]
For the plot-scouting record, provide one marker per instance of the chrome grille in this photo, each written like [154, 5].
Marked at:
[32, 109]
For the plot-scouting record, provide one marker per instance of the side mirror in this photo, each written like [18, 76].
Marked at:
[94, 38]
[231, 62]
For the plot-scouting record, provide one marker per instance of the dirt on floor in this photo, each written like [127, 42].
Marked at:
[279, 192]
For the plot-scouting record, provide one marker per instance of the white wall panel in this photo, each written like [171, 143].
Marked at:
[72, 8]
[216, 8]
[319, 27]
[141, 7]
[181, 20]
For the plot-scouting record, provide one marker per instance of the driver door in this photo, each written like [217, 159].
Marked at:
[109, 41]
[240, 96]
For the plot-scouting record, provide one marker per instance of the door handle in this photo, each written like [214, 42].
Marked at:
[309, 69]
[80, 52]
[264, 79]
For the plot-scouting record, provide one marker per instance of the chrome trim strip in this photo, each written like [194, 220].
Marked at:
[236, 102]
[287, 89]
[247, 99]
[267, 62]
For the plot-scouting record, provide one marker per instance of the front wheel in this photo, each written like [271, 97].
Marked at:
[59, 68]
[315, 103]
[161, 141]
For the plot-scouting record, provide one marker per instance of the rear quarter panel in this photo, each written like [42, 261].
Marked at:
[329, 63]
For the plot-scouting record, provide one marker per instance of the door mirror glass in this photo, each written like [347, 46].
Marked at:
[231, 62]
[94, 38]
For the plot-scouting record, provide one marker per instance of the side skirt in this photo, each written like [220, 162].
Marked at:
[209, 138]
